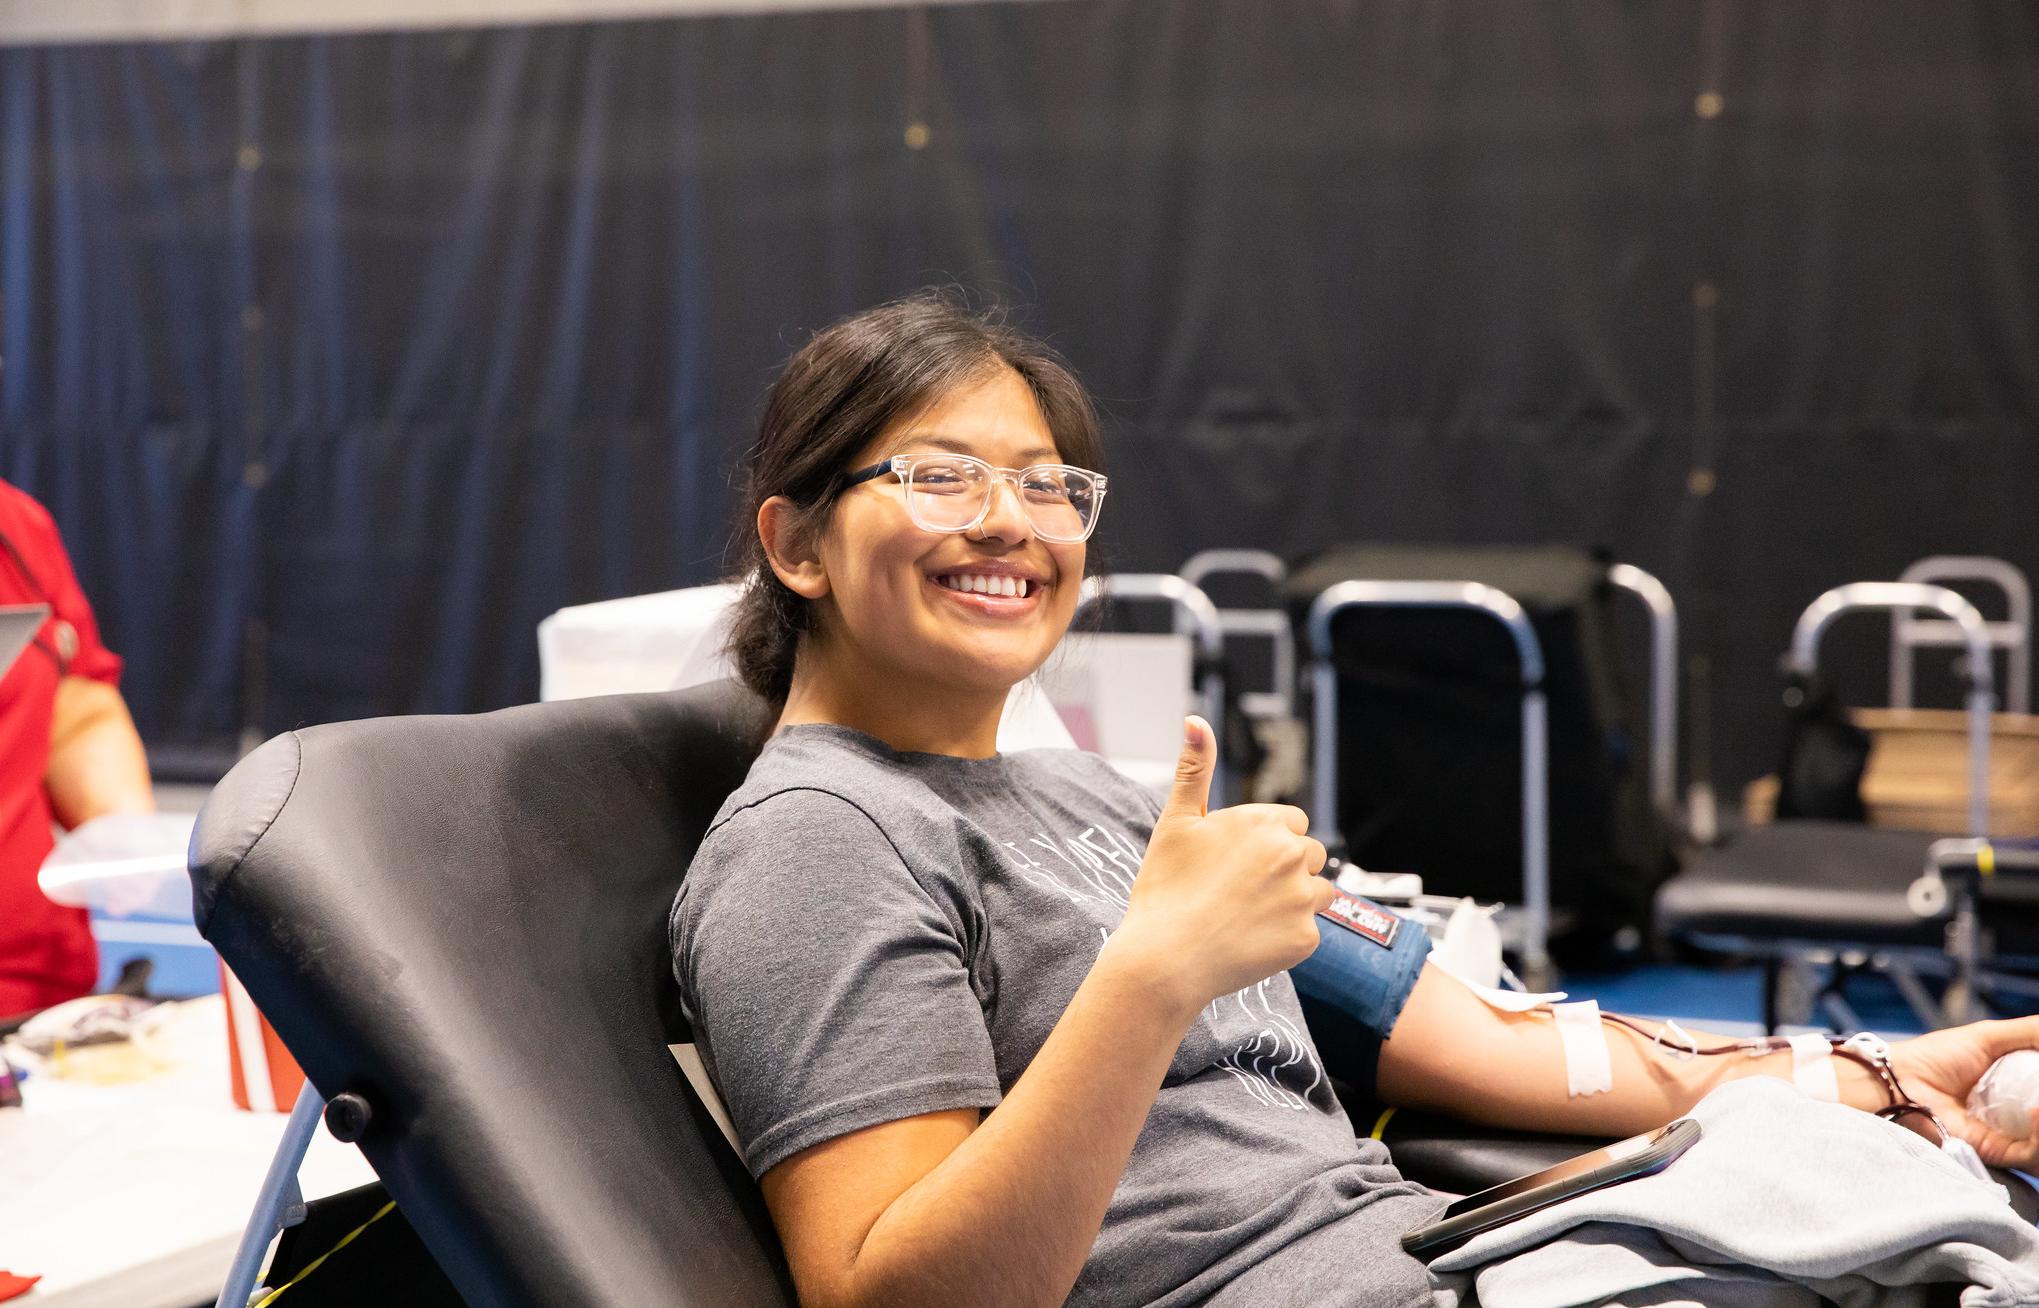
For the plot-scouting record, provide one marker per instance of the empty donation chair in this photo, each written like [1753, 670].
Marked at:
[1832, 888]
[457, 925]
[1475, 725]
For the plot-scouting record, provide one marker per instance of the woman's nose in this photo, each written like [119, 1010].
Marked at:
[1005, 515]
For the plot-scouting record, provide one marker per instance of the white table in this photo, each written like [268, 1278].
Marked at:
[134, 1196]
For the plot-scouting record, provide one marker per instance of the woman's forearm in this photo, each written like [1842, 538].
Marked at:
[1653, 1085]
[1452, 1052]
[1010, 1216]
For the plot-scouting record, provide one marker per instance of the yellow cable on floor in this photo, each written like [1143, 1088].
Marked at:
[313, 1265]
[1380, 1124]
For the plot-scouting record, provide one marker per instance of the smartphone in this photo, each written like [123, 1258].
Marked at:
[1624, 1160]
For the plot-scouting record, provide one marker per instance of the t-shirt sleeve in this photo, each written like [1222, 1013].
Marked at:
[45, 552]
[828, 989]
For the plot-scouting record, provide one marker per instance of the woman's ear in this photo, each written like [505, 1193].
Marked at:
[789, 548]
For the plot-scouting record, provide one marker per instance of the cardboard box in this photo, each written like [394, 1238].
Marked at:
[1917, 778]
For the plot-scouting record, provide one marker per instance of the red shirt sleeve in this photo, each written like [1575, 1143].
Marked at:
[34, 533]
[46, 951]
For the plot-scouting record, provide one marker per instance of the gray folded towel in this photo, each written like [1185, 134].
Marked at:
[1784, 1201]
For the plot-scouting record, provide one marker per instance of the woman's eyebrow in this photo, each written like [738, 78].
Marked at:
[1033, 454]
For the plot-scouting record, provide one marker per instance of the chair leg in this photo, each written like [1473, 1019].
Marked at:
[1841, 1014]
[279, 1204]
[1831, 998]
[1924, 1007]
[1964, 943]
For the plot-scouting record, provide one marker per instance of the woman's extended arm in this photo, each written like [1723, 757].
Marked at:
[938, 1209]
[1453, 1053]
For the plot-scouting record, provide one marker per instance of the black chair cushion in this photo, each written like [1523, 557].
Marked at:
[1803, 880]
[1453, 1156]
[462, 918]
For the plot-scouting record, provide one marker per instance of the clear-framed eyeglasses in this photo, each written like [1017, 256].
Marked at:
[952, 492]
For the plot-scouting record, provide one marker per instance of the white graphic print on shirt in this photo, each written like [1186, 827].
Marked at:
[1096, 868]
[1259, 1063]
[1100, 866]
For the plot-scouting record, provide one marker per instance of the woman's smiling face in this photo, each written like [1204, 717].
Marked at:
[908, 602]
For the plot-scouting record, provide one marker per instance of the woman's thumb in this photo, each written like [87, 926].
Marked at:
[1191, 792]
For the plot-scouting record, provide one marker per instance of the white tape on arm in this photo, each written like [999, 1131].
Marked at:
[1588, 1070]
[1812, 1067]
[1507, 1001]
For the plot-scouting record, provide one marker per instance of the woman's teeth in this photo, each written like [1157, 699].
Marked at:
[971, 583]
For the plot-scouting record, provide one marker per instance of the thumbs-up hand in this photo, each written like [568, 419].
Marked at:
[1190, 794]
[1226, 899]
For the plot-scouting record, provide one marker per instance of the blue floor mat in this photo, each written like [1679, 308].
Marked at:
[1726, 995]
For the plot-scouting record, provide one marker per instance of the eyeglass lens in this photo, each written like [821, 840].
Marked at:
[947, 495]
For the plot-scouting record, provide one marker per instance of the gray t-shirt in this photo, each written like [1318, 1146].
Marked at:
[866, 935]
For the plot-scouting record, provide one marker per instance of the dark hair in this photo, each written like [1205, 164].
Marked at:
[844, 387]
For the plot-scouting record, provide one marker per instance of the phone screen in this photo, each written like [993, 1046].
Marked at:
[1571, 1167]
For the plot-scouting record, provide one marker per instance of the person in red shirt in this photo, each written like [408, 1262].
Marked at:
[68, 752]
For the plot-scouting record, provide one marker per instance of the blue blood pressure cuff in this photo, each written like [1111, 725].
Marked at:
[1353, 988]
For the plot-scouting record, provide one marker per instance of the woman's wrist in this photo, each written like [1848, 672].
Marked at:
[1150, 978]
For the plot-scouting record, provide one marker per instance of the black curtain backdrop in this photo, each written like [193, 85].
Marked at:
[343, 360]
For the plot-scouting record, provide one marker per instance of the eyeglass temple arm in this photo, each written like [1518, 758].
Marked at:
[871, 473]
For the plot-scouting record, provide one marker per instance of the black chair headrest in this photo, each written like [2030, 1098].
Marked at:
[463, 920]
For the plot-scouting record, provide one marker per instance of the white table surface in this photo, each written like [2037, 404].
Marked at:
[134, 1196]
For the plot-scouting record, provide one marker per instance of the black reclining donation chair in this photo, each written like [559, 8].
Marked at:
[1809, 891]
[457, 925]
[1472, 721]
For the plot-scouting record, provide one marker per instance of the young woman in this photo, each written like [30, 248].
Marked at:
[1002, 1029]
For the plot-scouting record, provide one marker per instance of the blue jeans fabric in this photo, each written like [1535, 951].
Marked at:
[1351, 991]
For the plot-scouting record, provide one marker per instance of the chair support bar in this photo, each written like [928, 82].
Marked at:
[1535, 728]
[1262, 563]
[1965, 863]
[1906, 595]
[1663, 681]
[2013, 635]
[1957, 856]
[279, 1204]
[1269, 623]
[1190, 602]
